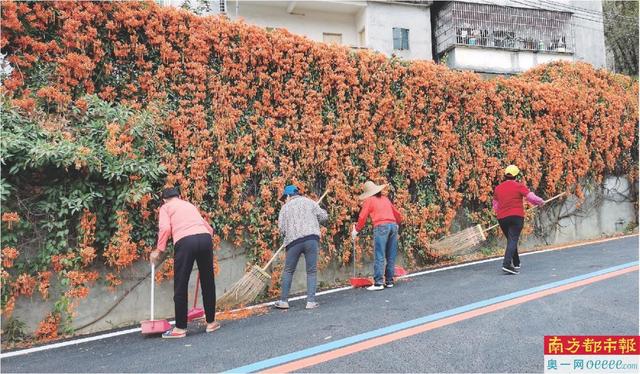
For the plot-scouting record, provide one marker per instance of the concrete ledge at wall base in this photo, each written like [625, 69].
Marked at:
[607, 208]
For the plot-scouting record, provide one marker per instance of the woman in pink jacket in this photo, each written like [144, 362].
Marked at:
[191, 235]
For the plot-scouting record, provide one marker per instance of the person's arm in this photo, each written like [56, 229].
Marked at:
[320, 213]
[396, 214]
[495, 205]
[281, 221]
[164, 229]
[530, 196]
[534, 199]
[364, 214]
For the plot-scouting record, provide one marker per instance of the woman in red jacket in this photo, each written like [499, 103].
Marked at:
[507, 203]
[386, 219]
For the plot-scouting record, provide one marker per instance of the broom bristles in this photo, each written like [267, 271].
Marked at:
[459, 242]
[246, 289]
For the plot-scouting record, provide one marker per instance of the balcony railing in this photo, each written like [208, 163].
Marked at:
[495, 26]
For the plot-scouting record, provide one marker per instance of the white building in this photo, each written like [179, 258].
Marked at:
[487, 36]
[402, 28]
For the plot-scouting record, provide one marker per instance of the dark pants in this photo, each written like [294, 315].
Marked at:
[511, 227]
[310, 250]
[192, 248]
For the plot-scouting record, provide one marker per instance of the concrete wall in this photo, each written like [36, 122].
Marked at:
[310, 23]
[589, 32]
[382, 18]
[605, 211]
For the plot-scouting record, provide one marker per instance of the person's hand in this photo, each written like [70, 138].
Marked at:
[153, 256]
[354, 233]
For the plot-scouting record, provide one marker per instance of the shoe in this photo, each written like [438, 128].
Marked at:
[213, 326]
[517, 267]
[509, 269]
[173, 334]
[388, 285]
[312, 305]
[375, 287]
[281, 304]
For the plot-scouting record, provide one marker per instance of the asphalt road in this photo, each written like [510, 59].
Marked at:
[506, 340]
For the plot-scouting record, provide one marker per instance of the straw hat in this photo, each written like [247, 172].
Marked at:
[371, 189]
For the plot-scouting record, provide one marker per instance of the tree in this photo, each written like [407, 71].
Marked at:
[621, 34]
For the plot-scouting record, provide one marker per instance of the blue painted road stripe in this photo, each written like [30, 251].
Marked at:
[264, 364]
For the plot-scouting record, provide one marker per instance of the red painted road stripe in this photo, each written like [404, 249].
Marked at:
[358, 347]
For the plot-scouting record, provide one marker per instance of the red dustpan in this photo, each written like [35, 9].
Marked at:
[154, 326]
[195, 312]
[399, 271]
[357, 282]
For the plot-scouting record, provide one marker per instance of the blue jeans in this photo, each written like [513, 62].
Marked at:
[385, 241]
[310, 250]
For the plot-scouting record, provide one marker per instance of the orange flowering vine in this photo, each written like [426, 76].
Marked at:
[48, 328]
[9, 254]
[121, 251]
[10, 218]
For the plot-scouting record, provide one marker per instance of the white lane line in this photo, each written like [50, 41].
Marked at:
[521, 254]
[137, 329]
[68, 343]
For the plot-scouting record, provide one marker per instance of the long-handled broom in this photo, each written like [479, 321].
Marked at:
[467, 238]
[252, 283]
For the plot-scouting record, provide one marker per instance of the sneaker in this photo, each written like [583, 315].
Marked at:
[388, 285]
[509, 269]
[281, 304]
[375, 287]
[517, 267]
[312, 305]
[173, 334]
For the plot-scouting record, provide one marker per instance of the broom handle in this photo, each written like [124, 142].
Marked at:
[195, 298]
[153, 273]
[546, 201]
[353, 244]
[282, 246]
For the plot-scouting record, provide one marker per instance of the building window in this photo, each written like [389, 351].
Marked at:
[400, 38]
[331, 38]
[488, 25]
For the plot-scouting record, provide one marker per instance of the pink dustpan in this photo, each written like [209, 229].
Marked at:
[154, 326]
[195, 312]
[157, 326]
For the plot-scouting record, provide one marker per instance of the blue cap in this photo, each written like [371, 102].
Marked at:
[289, 190]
